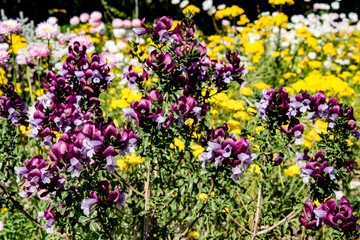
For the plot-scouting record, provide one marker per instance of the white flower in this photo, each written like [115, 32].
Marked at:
[353, 17]
[335, 5]
[312, 55]
[207, 4]
[184, 3]
[175, 2]
[221, 6]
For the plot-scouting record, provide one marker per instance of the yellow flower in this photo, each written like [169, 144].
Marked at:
[241, 114]
[193, 235]
[261, 85]
[251, 110]
[191, 8]
[259, 129]
[24, 130]
[3, 210]
[203, 196]
[178, 143]
[196, 150]
[254, 167]
[275, 54]
[281, 2]
[292, 171]
[132, 160]
[246, 91]
[226, 210]
[234, 126]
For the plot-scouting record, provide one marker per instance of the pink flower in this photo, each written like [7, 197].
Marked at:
[93, 30]
[39, 51]
[74, 20]
[84, 17]
[4, 56]
[96, 15]
[117, 23]
[95, 22]
[23, 57]
[52, 20]
[9, 26]
[136, 22]
[126, 23]
[225, 22]
[47, 30]
[108, 59]
[1, 226]
[83, 40]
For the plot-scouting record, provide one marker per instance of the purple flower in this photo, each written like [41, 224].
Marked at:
[90, 203]
[75, 167]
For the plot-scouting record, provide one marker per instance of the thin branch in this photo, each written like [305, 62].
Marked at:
[105, 228]
[147, 197]
[21, 209]
[237, 223]
[198, 215]
[258, 212]
[128, 184]
[288, 217]
[242, 201]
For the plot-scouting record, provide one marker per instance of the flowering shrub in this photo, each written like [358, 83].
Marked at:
[160, 136]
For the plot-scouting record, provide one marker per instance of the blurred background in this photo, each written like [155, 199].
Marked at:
[40, 10]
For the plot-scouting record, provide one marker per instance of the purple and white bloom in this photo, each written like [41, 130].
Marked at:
[331, 171]
[13, 115]
[319, 215]
[90, 203]
[159, 120]
[236, 173]
[89, 147]
[46, 30]
[306, 174]
[110, 164]
[127, 113]
[75, 167]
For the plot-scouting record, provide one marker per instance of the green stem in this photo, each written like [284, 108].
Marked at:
[281, 180]
[38, 73]
[214, 22]
[48, 60]
[30, 85]
[13, 61]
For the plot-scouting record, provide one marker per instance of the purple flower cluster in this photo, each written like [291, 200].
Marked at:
[109, 198]
[336, 216]
[50, 216]
[73, 94]
[71, 106]
[38, 175]
[148, 108]
[94, 141]
[12, 106]
[185, 61]
[316, 167]
[276, 104]
[223, 149]
[187, 107]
